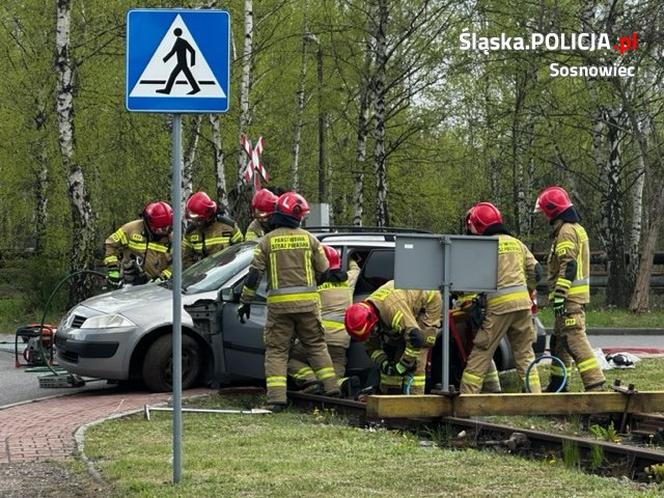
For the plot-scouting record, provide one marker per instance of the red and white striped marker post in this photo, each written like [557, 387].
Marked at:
[254, 169]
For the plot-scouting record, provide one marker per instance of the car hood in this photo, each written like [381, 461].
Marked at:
[129, 298]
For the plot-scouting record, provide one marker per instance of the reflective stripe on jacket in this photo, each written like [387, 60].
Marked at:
[399, 311]
[292, 259]
[569, 263]
[516, 274]
[132, 239]
[254, 231]
[203, 241]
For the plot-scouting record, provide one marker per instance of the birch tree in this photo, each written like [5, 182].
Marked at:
[83, 217]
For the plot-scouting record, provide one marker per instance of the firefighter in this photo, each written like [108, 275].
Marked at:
[336, 294]
[262, 205]
[140, 250]
[209, 230]
[568, 281]
[293, 260]
[508, 309]
[468, 313]
[399, 327]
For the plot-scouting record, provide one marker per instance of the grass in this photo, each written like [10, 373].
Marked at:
[613, 318]
[647, 376]
[294, 454]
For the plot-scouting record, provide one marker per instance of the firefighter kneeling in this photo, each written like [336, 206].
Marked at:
[399, 327]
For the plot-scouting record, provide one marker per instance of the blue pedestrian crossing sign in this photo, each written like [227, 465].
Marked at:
[178, 60]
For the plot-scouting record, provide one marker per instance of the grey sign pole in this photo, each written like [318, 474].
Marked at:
[445, 349]
[176, 369]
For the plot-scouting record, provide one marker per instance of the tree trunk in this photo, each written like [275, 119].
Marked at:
[378, 88]
[245, 85]
[219, 174]
[640, 301]
[360, 156]
[83, 219]
[322, 177]
[637, 223]
[299, 121]
[613, 221]
[190, 156]
[40, 156]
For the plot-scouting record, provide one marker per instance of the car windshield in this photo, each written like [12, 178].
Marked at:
[213, 272]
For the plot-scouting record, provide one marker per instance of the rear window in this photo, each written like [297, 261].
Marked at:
[377, 269]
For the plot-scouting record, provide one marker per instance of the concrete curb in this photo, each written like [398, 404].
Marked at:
[79, 434]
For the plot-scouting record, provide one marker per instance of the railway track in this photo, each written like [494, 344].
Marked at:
[596, 456]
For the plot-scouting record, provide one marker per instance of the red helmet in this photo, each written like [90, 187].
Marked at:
[159, 217]
[481, 216]
[332, 257]
[552, 201]
[359, 320]
[263, 203]
[200, 207]
[293, 205]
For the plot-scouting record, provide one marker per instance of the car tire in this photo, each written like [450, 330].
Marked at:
[157, 365]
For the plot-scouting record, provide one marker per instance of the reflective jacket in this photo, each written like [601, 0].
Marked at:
[516, 275]
[293, 259]
[335, 297]
[200, 242]
[569, 263]
[132, 241]
[254, 230]
[399, 311]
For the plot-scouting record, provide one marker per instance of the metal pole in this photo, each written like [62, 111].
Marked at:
[176, 194]
[446, 316]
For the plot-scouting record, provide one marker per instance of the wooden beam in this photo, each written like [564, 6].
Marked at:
[468, 405]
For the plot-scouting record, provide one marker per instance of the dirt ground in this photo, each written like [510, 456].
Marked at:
[48, 480]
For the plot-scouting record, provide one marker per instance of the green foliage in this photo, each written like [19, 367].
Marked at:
[605, 433]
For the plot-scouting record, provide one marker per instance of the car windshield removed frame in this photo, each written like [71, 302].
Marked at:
[213, 272]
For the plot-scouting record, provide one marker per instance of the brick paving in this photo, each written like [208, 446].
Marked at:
[44, 430]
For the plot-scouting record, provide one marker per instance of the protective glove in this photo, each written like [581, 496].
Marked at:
[416, 338]
[113, 277]
[387, 367]
[244, 311]
[402, 369]
[559, 306]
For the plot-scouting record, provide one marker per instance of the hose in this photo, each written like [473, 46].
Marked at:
[407, 383]
[42, 351]
[552, 358]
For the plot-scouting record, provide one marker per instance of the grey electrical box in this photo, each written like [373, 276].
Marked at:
[472, 262]
[319, 216]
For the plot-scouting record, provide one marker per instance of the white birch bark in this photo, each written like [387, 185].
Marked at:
[83, 219]
[245, 84]
[190, 157]
[378, 89]
[295, 167]
[219, 173]
[637, 216]
[360, 157]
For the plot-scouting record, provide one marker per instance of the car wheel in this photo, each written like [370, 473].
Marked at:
[158, 366]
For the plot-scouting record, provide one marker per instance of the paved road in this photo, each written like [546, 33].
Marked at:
[627, 341]
[18, 385]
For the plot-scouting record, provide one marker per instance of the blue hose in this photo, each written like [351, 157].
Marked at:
[549, 357]
[407, 382]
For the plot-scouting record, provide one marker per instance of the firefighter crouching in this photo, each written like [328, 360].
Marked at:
[140, 250]
[209, 230]
[568, 280]
[399, 327]
[508, 309]
[336, 294]
[293, 260]
[262, 205]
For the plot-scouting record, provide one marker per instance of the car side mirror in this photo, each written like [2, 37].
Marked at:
[230, 295]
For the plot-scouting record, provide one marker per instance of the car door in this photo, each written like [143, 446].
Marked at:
[244, 349]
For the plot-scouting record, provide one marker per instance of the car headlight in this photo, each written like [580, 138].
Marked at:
[112, 321]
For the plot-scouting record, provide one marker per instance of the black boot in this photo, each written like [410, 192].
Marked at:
[554, 385]
[274, 407]
[312, 387]
[350, 386]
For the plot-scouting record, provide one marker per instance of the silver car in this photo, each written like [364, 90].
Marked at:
[126, 334]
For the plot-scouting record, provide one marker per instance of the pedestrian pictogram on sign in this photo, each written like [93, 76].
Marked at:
[177, 60]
